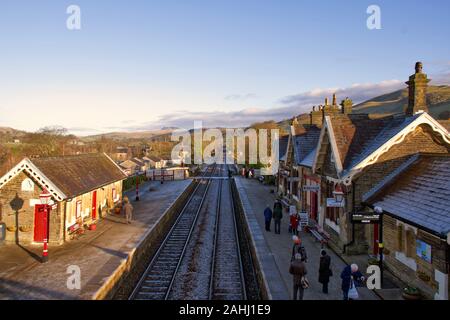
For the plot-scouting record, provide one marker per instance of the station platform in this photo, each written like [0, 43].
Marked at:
[274, 251]
[99, 253]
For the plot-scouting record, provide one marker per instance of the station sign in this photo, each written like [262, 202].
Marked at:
[365, 218]
[312, 188]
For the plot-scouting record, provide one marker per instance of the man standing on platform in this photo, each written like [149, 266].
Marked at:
[277, 215]
[268, 217]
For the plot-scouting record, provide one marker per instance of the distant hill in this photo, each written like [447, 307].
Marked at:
[130, 135]
[11, 131]
[438, 98]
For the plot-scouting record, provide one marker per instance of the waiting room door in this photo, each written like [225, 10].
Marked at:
[40, 223]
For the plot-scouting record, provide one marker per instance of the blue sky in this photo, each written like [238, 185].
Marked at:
[138, 64]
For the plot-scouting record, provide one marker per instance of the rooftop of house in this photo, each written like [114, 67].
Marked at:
[78, 174]
[304, 142]
[418, 193]
[282, 146]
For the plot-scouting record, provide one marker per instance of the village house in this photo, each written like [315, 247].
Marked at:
[415, 205]
[155, 162]
[83, 188]
[121, 154]
[354, 153]
[298, 184]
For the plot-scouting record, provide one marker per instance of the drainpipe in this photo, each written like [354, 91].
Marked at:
[353, 225]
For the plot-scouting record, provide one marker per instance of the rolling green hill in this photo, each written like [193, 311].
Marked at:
[438, 98]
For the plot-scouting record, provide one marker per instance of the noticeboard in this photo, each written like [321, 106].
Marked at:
[304, 219]
[423, 250]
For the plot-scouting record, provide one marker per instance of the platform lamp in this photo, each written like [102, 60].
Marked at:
[137, 187]
[45, 197]
[338, 194]
[379, 211]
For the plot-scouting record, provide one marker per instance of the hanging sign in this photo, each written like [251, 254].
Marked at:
[312, 188]
[332, 203]
[365, 218]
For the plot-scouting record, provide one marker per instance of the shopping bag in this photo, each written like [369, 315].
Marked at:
[353, 292]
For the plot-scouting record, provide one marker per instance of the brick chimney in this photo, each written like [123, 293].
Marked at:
[417, 86]
[334, 100]
[346, 106]
[316, 116]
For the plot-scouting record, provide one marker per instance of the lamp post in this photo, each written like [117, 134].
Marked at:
[379, 210]
[45, 197]
[137, 187]
[338, 194]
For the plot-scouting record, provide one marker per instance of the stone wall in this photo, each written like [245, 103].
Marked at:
[17, 212]
[404, 262]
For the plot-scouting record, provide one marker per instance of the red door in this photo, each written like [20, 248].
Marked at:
[376, 238]
[94, 205]
[40, 223]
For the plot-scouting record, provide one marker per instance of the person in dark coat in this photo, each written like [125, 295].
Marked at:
[348, 274]
[277, 215]
[268, 217]
[324, 270]
[298, 270]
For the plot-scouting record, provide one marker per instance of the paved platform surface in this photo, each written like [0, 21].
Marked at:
[97, 253]
[276, 249]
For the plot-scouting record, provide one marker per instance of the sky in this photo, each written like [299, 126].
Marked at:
[139, 65]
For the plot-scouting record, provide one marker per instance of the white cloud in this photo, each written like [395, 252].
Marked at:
[358, 92]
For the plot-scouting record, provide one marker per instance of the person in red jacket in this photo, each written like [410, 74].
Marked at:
[294, 223]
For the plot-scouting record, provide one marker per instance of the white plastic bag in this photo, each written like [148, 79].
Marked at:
[353, 292]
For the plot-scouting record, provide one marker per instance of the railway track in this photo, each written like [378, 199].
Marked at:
[157, 280]
[227, 276]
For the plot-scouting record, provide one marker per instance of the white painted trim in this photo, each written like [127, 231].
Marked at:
[334, 148]
[442, 280]
[28, 166]
[327, 127]
[424, 118]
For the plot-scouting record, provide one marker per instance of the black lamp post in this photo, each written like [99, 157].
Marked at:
[379, 210]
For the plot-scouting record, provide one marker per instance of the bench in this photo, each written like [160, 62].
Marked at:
[320, 236]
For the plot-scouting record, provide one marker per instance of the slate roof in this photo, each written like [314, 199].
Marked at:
[78, 174]
[305, 142]
[420, 194]
[282, 147]
[445, 124]
[359, 135]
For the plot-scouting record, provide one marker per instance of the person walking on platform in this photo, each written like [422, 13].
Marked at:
[277, 215]
[268, 217]
[298, 248]
[128, 209]
[294, 219]
[351, 277]
[324, 270]
[298, 270]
